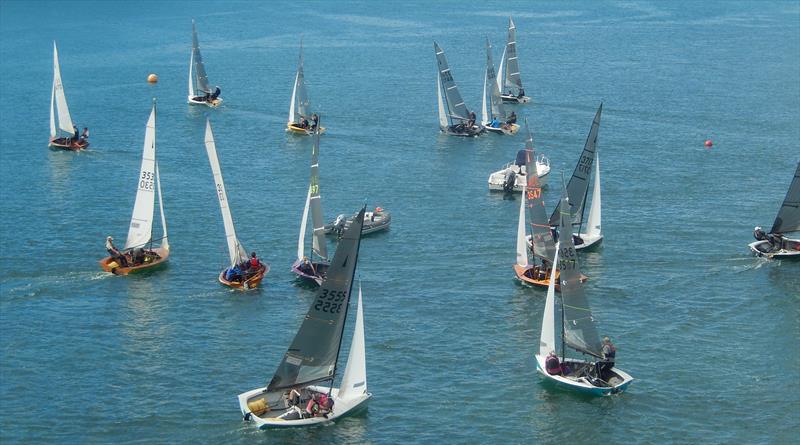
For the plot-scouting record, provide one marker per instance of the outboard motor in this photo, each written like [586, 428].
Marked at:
[338, 225]
[510, 180]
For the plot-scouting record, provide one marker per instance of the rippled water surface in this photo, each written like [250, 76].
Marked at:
[710, 333]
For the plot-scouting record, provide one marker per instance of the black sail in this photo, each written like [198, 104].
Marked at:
[578, 186]
[580, 331]
[541, 236]
[314, 351]
[788, 219]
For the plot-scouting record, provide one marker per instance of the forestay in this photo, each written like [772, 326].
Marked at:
[236, 252]
[313, 354]
[58, 101]
[578, 186]
[140, 231]
[200, 77]
[788, 219]
[580, 331]
[509, 65]
[453, 102]
[299, 105]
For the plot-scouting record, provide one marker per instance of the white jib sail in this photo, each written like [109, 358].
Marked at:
[236, 251]
[522, 241]
[294, 97]
[354, 380]
[140, 231]
[594, 221]
[501, 71]
[53, 111]
[301, 240]
[547, 340]
[191, 78]
[443, 122]
[164, 239]
[484, 110]
[64, 119]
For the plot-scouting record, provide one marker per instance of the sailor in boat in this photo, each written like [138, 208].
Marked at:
[512, 118]
[255, 263]
[307, 267]
[471, 120]
[759, 234]
[215, 94]
[233, 274]
[494, 123]
[314, 121]
[85, 134]
[604, 366]
[118, 256]
[521, 93]
[553, 364]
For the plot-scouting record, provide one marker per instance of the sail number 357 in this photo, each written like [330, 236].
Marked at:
[330, 301]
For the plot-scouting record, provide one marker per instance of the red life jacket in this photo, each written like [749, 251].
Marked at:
[254, 262]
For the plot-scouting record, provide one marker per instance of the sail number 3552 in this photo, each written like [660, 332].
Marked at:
[330, 301]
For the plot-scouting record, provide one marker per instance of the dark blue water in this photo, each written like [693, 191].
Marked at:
[710, 333]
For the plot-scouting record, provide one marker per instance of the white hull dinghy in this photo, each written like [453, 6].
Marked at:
[775, 244]
[295, 395]
[200, 92]
[577, 329]
[493, 113]
[508, 79]
[454, 117]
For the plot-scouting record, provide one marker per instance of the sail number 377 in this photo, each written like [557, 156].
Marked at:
[330, 301]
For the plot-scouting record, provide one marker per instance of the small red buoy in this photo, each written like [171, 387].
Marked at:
[709, 143]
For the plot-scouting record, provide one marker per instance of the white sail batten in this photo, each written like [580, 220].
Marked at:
[301, 240]
[62, 110]
[354, 380]
[594, 221]
[140, 231]
[164, 239]
[547, 339]
[236, 252]
[522, 241]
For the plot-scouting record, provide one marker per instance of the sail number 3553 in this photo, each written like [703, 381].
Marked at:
[330, 301]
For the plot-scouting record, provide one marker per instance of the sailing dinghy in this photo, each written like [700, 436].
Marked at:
[297, 393]
[577, 327]
[493, 114]
[454, 117]
[312, 270]
[200, 92]
[63, 134]
[775, 244]
[578, 189]
[300, 121]
[239, 274]
[508, 79]
[140, 253]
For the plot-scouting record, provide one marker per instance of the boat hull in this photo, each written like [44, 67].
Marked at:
[582, 383]
[590, 242]
[315, 277]
[497, 179]
[208, 103]
[533, 276]
[291, 127]
[790, 249]
[510, 130]
[515, 99]
[250, 283]
[341, 408]
[109, 265]
[459, 130]
[65, 144]
[381, 222]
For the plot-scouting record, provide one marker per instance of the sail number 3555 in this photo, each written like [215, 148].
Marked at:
[330, 301]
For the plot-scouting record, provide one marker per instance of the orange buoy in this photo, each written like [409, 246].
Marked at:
[152, 78]
[709, 143]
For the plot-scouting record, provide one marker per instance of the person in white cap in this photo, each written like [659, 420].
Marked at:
[115, 253]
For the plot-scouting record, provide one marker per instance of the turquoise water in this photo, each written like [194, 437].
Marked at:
[710, 333]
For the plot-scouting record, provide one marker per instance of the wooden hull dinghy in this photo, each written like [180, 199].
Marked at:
[297, 129]
[296, 395]
[68, 144]
[62, 129]
[250, 280]
[151, 259]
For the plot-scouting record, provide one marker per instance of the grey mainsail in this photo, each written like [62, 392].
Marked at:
[312, 357]
[788, 219]
[201, 78]
[578, 186]
[301, 102]
[541, 236]
[579, 330]
[496, 109]
[318, 245]
[511, 77]
[454, 103]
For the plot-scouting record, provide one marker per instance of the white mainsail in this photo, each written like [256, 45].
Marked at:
[236, 252]
[594, 221]
[547, 339]
[140, 231]
[59, 101]
[522, 241]
[354, 380]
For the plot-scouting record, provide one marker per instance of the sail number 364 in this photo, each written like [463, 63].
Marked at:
[330, 301]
